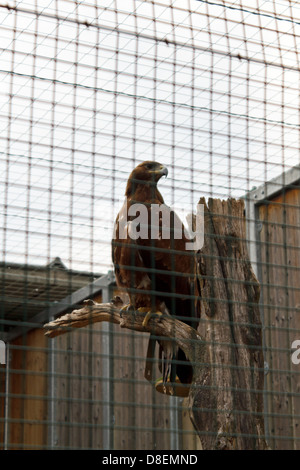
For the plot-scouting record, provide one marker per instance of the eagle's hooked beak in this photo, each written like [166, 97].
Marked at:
[163, 171]
[158, 171]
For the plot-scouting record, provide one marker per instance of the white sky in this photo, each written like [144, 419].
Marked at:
[89, 92]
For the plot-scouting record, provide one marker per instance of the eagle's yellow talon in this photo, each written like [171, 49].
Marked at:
[143, 309]
[126, 309]
[149, 314]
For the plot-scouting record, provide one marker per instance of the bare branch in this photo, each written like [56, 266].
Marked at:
[185, 336]
[90, 313]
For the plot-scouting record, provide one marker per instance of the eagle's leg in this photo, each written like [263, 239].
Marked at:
[149, 314]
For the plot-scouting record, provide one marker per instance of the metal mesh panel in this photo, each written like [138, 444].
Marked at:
[88, 91]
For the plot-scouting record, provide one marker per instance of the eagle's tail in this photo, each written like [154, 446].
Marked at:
[168, 353]
[173, 365]
[168, 359]
[150, 358]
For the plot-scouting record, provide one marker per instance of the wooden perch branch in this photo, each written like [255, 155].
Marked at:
[91, 312]
[186, 337]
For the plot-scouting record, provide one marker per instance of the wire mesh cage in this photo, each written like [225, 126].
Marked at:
[89, 90]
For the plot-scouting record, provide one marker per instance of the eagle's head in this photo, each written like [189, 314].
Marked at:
[144, 175]
[148, 171]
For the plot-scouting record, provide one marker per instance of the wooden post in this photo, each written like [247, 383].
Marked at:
[226, 401]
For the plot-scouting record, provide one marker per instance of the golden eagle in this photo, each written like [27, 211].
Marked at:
[154, 267]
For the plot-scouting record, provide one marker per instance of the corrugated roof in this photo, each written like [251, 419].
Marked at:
[26, 290]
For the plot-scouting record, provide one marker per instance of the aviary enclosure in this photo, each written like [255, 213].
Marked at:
[89, 90]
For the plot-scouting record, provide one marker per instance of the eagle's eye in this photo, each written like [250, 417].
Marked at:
[150, 166]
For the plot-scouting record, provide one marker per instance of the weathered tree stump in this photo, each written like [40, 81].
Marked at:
[226, 402]
[226, 396]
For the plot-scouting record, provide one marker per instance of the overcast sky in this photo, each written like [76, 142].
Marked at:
[88, 92]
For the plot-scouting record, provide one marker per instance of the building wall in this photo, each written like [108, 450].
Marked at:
[139, 417]
[2, 403]
[28, 392]
[279, 260]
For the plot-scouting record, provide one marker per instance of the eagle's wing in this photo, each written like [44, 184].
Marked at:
[173, 270]
[162, 273]
[130, 271]
[174, 282]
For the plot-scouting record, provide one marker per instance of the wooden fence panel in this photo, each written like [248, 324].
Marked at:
[279, 249]
[138, 407]
[2, 404]
[78, 378]
[137, 422]
[28, 390]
